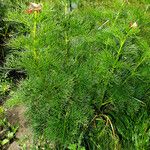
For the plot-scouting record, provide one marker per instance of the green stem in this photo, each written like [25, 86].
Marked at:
[114, 65]
[65, 9]
[66, 37]
[66, 44]
[64, 127]
[114, 23]
[132, 73]
[34, 35]
[112, 70]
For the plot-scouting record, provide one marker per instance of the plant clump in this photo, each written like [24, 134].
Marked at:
[87, 84]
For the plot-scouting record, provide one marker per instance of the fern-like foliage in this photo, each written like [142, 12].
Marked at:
[88, 73]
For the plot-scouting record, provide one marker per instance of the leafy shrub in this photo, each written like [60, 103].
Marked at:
[88, 74]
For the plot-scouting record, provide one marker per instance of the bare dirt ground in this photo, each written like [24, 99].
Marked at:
[15, 116]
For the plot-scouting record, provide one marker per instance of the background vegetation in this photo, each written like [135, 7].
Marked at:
[87, 84]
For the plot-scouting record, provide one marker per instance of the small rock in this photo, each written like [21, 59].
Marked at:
[14, 146]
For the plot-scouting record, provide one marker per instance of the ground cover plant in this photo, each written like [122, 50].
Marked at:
[7, 133]
[87, 65]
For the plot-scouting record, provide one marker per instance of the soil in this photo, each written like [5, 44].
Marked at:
[24, 134]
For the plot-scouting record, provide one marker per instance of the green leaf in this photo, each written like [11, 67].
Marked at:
[5, 141]
[10, 135]
[72, 147]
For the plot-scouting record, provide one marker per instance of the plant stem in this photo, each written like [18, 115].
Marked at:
[66, 43]
[132, 73]
[107, 121]
[114, 23]
[114, 65]
[66, 34]
[34, 35]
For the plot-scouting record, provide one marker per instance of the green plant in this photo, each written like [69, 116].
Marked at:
[88, 74]
[4, 87]
[1, 112]
[7, 133]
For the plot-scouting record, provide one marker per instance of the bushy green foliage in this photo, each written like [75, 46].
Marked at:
[88, 74]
